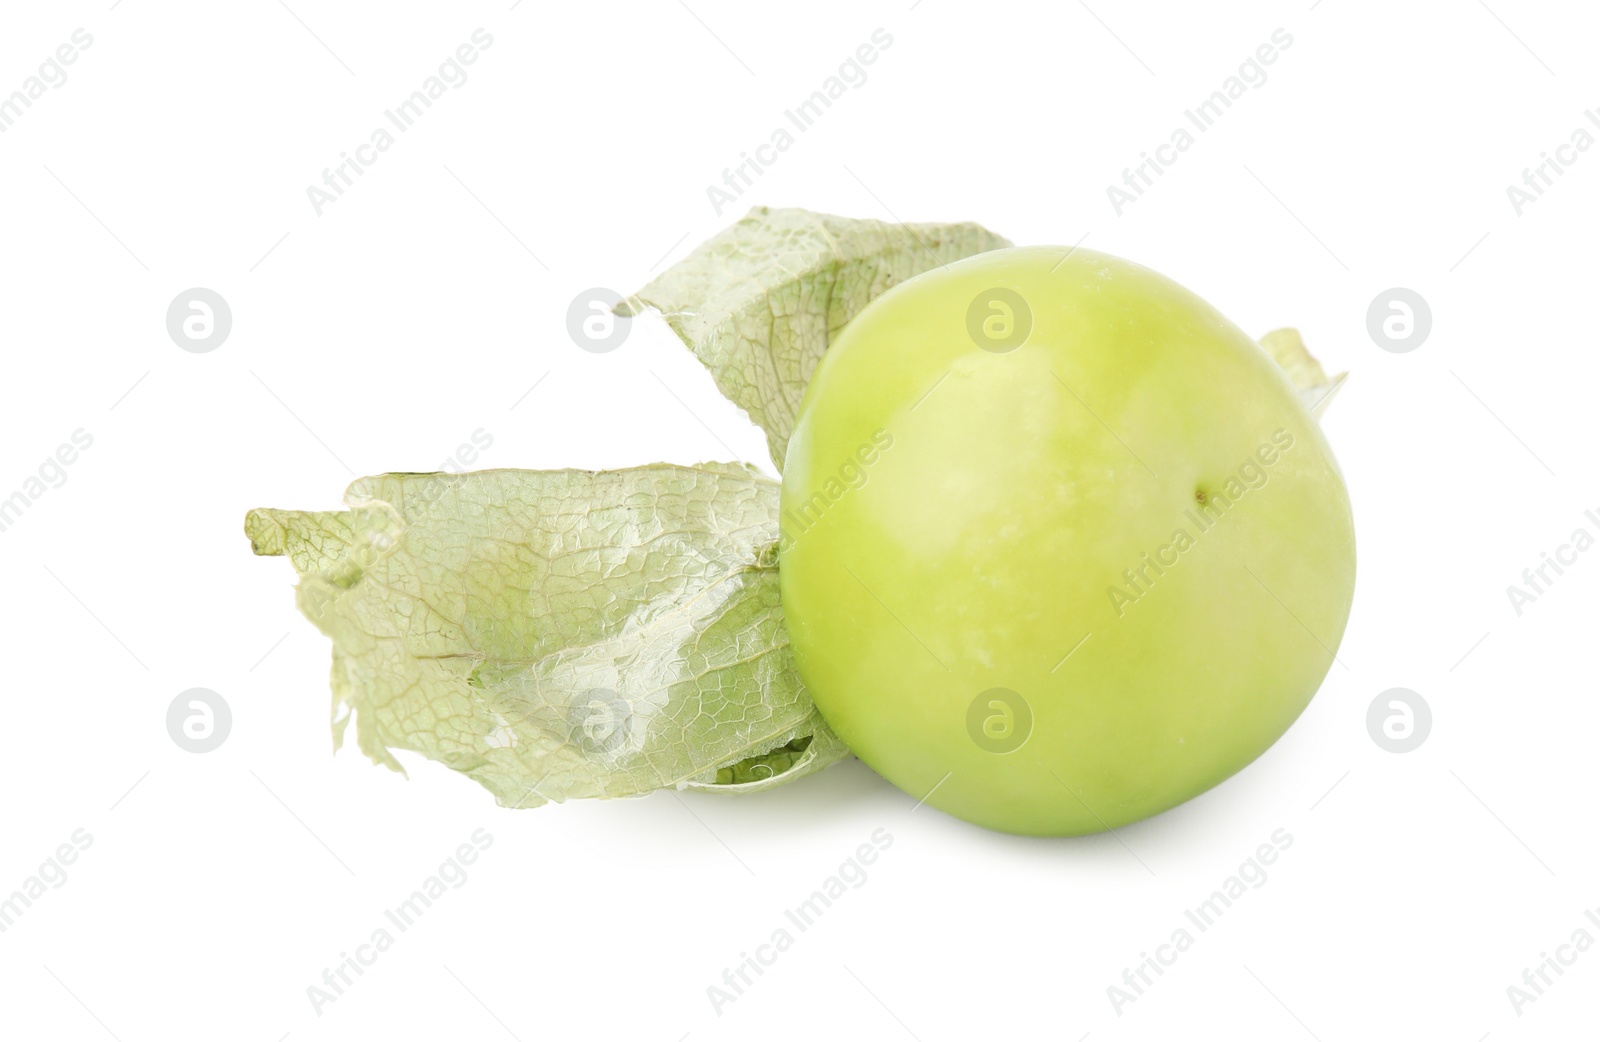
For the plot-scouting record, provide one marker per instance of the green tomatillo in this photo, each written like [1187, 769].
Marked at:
[1061, 546]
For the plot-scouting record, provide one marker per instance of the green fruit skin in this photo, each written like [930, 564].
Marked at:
[955, 518]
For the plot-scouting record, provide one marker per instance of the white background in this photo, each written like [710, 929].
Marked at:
[423, 304]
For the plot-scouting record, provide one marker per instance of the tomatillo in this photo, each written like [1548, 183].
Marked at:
[1061, 546]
